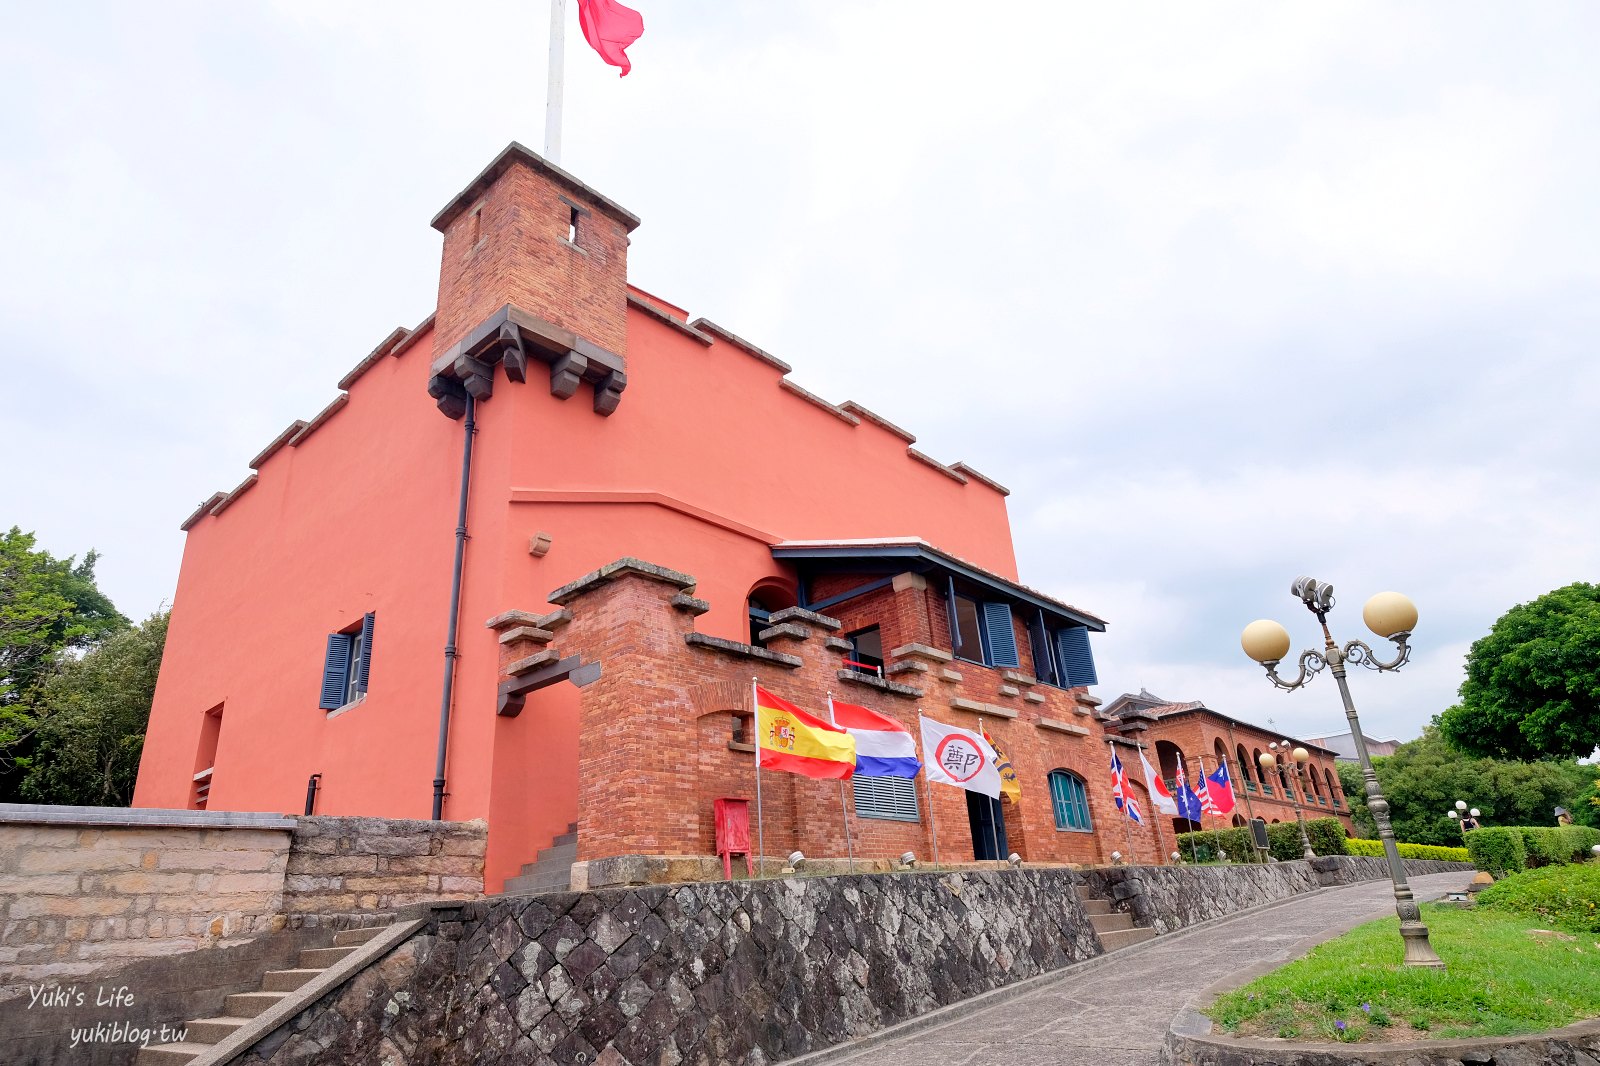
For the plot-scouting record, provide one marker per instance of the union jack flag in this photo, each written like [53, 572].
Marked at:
[1120, 791]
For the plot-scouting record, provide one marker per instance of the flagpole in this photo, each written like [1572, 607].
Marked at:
[761, 834]
[1205, 783]
[553, 92]
[1194, 853]
[1111, 745]
[933, 821]
[849, 848]
[994, 833]
[1155, 813]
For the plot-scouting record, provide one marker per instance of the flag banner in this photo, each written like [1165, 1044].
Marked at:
[1187, 802]
[1002, 762]
[959, 757]
[1120, 792]
[1159, 795]
[884, 747]
[1203, 793]
[788, 738]
[610, 28]
[1221, 790]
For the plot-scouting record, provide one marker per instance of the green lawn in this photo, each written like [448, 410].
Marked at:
[1504, 976]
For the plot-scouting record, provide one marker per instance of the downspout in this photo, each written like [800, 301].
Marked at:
[455, 617]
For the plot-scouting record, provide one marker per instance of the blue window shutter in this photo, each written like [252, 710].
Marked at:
[1077, 662]
[1002, 639]
[364, 668]
[335, 672]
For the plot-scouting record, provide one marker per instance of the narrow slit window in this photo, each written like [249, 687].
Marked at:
[572, 226]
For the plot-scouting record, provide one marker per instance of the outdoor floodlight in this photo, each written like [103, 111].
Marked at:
[909, 859]
[797, 859]
[1014, 859]
[1317, 595]
[1116, 856]
[1177, 856]
[1265, 641]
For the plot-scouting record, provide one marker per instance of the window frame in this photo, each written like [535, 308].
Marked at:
[1081, 801]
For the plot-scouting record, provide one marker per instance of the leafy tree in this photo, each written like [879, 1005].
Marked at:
[47, 606]
[91, 720]
[1424, 777]
[1533, 684]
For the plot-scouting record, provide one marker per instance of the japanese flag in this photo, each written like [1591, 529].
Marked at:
[960, 757]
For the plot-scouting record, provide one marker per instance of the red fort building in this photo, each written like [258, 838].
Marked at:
[625, 563]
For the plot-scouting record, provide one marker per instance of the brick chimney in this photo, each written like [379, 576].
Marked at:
[535, 263]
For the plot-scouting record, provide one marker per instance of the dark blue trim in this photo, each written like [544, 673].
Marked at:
[922, 558]
[859, 590]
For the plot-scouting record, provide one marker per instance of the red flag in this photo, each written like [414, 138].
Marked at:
[610, 28]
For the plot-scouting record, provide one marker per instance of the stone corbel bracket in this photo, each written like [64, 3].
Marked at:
[513, 337]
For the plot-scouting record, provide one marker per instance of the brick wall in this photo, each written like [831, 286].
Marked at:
[656, 731]
[510, 246]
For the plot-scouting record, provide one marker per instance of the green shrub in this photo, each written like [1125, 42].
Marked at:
[1327, 838]
[1498, 850]
[1557, 845]
[1374, 848]
[1566, 896]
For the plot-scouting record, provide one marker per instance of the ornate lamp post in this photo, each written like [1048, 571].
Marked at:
[1296, 761]
[1391, 616]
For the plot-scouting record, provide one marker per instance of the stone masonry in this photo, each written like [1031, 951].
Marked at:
[708, 974]
[84, 888]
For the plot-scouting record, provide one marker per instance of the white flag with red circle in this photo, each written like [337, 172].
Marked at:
[955, 756]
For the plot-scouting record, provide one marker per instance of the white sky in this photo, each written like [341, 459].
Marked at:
[1225, 292]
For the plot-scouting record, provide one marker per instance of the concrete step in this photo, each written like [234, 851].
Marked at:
[286, 980]
[1096, 906]
[212, 1030]
[349, 938]
[322, 958]
[250, 1004]
[170, 1054]
[1110, 923]
[566, 854]
[1123, 938]
[540, 883]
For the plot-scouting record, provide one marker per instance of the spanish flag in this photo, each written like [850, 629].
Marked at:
[788, 738]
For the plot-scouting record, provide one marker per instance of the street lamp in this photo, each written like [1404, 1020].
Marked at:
[1297, 760]
[1393, 617]
[1464, 818]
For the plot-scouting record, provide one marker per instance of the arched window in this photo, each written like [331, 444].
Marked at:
[1239, 822]
[1327, 775]
[1245, 773]
[1070, 801]
[1255, 764]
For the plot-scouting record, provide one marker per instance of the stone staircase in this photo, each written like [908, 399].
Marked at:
[1114, 928]
[239, 1008]
[551, 871]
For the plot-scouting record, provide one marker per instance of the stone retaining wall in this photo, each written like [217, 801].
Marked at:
[711, 974]
[1165, 898]
[83, 888]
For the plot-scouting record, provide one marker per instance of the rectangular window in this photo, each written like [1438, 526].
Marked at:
[205, 761]
[981, 632]
[891, 798]
[347, 666]
[866, 651]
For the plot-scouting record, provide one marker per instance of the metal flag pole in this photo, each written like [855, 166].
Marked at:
[1111, 745]
[552, 100]
[1204, 781]
[1194, 853]
[933, 821]
[849, 848]
[1155, 813]
[761, 833]
[994, 834]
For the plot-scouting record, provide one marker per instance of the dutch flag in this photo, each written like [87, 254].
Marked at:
[884, 747]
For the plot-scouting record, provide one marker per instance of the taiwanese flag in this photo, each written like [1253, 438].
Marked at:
[788, 738]
[610, 28]
[1221, 789]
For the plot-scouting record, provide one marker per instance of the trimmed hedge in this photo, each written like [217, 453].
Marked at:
[1327, 838]
[1566, 896]
[1374, 848]
[1503, 850]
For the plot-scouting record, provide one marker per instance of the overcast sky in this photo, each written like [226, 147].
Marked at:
[1224, 292]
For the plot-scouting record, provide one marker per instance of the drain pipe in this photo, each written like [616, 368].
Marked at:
[455, 617]
[311, 793]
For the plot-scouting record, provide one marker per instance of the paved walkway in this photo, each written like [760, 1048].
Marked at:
[1117, 1014]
